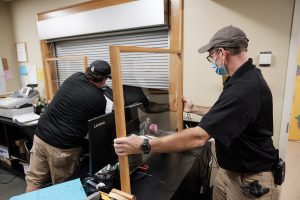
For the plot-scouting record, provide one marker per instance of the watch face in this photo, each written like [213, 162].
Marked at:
[146, 148]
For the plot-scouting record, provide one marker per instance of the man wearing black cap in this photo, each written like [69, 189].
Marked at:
[240, 121]
[62, 127]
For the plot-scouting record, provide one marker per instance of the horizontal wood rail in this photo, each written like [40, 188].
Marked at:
[146, 50]
[50, 76]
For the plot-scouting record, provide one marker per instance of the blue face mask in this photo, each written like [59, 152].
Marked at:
[219, 70]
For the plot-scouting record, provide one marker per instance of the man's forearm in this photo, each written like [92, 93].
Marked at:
[200, 110]
[180, 141]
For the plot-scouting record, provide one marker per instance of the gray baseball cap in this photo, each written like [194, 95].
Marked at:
[228, 36]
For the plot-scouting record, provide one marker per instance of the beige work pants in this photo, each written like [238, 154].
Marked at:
[48, 163]
[228, 185]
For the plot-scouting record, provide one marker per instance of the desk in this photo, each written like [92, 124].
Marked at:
[9, 133]
[174, 176]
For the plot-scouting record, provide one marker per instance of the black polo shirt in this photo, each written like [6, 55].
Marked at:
[241, 121]
[64, 124]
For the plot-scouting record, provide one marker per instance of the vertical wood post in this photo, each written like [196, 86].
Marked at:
[176, 68]
[119, 113]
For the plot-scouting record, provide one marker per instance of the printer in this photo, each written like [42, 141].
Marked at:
[20, 102]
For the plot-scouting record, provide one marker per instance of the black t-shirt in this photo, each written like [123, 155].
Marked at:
[64, 124]
[132, 95]
[241, 121]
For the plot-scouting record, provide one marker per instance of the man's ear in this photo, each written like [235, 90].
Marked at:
[103, 82]
[222, 50]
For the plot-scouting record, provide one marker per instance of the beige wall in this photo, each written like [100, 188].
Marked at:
[24, 20]
[267, 24]
[7, 45]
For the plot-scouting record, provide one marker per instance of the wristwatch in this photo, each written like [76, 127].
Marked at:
[145, 147]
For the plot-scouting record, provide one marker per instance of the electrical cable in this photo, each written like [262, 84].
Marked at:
[189, 118]
[199, 158]
[207, 175]
[204, 174]
[213, 155]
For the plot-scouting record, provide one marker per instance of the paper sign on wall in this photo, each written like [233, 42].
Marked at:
[2, 78]
[24, 80]
[1, 67]
[32, 75]
[21, 52]
[8, 74]
[40, 74]
[23, 70]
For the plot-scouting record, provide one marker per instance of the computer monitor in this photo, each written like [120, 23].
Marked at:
[102, 132]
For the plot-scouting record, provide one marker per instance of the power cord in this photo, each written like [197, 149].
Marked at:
[204, 168]
[189, 118]
[213, 155]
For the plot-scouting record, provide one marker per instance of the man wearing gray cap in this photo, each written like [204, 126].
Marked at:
[240, 121]
[56, 149]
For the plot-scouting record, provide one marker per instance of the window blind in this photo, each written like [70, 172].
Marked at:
[138, 69]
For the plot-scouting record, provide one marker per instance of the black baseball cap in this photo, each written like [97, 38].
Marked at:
[229, 36]
[100, 68]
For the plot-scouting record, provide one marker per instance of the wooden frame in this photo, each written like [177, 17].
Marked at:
[176, 73]
[80, 7]
[175, 90]
[49, 74]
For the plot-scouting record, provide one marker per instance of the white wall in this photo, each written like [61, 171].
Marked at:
[267, 24]
[7, 45]
[24, 18]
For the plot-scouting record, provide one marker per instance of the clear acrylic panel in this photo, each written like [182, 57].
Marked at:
[146, 80]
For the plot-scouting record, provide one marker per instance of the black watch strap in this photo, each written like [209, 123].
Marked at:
[145, 147]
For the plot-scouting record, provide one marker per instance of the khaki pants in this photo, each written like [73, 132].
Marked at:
[50, 163]
[228, 185]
